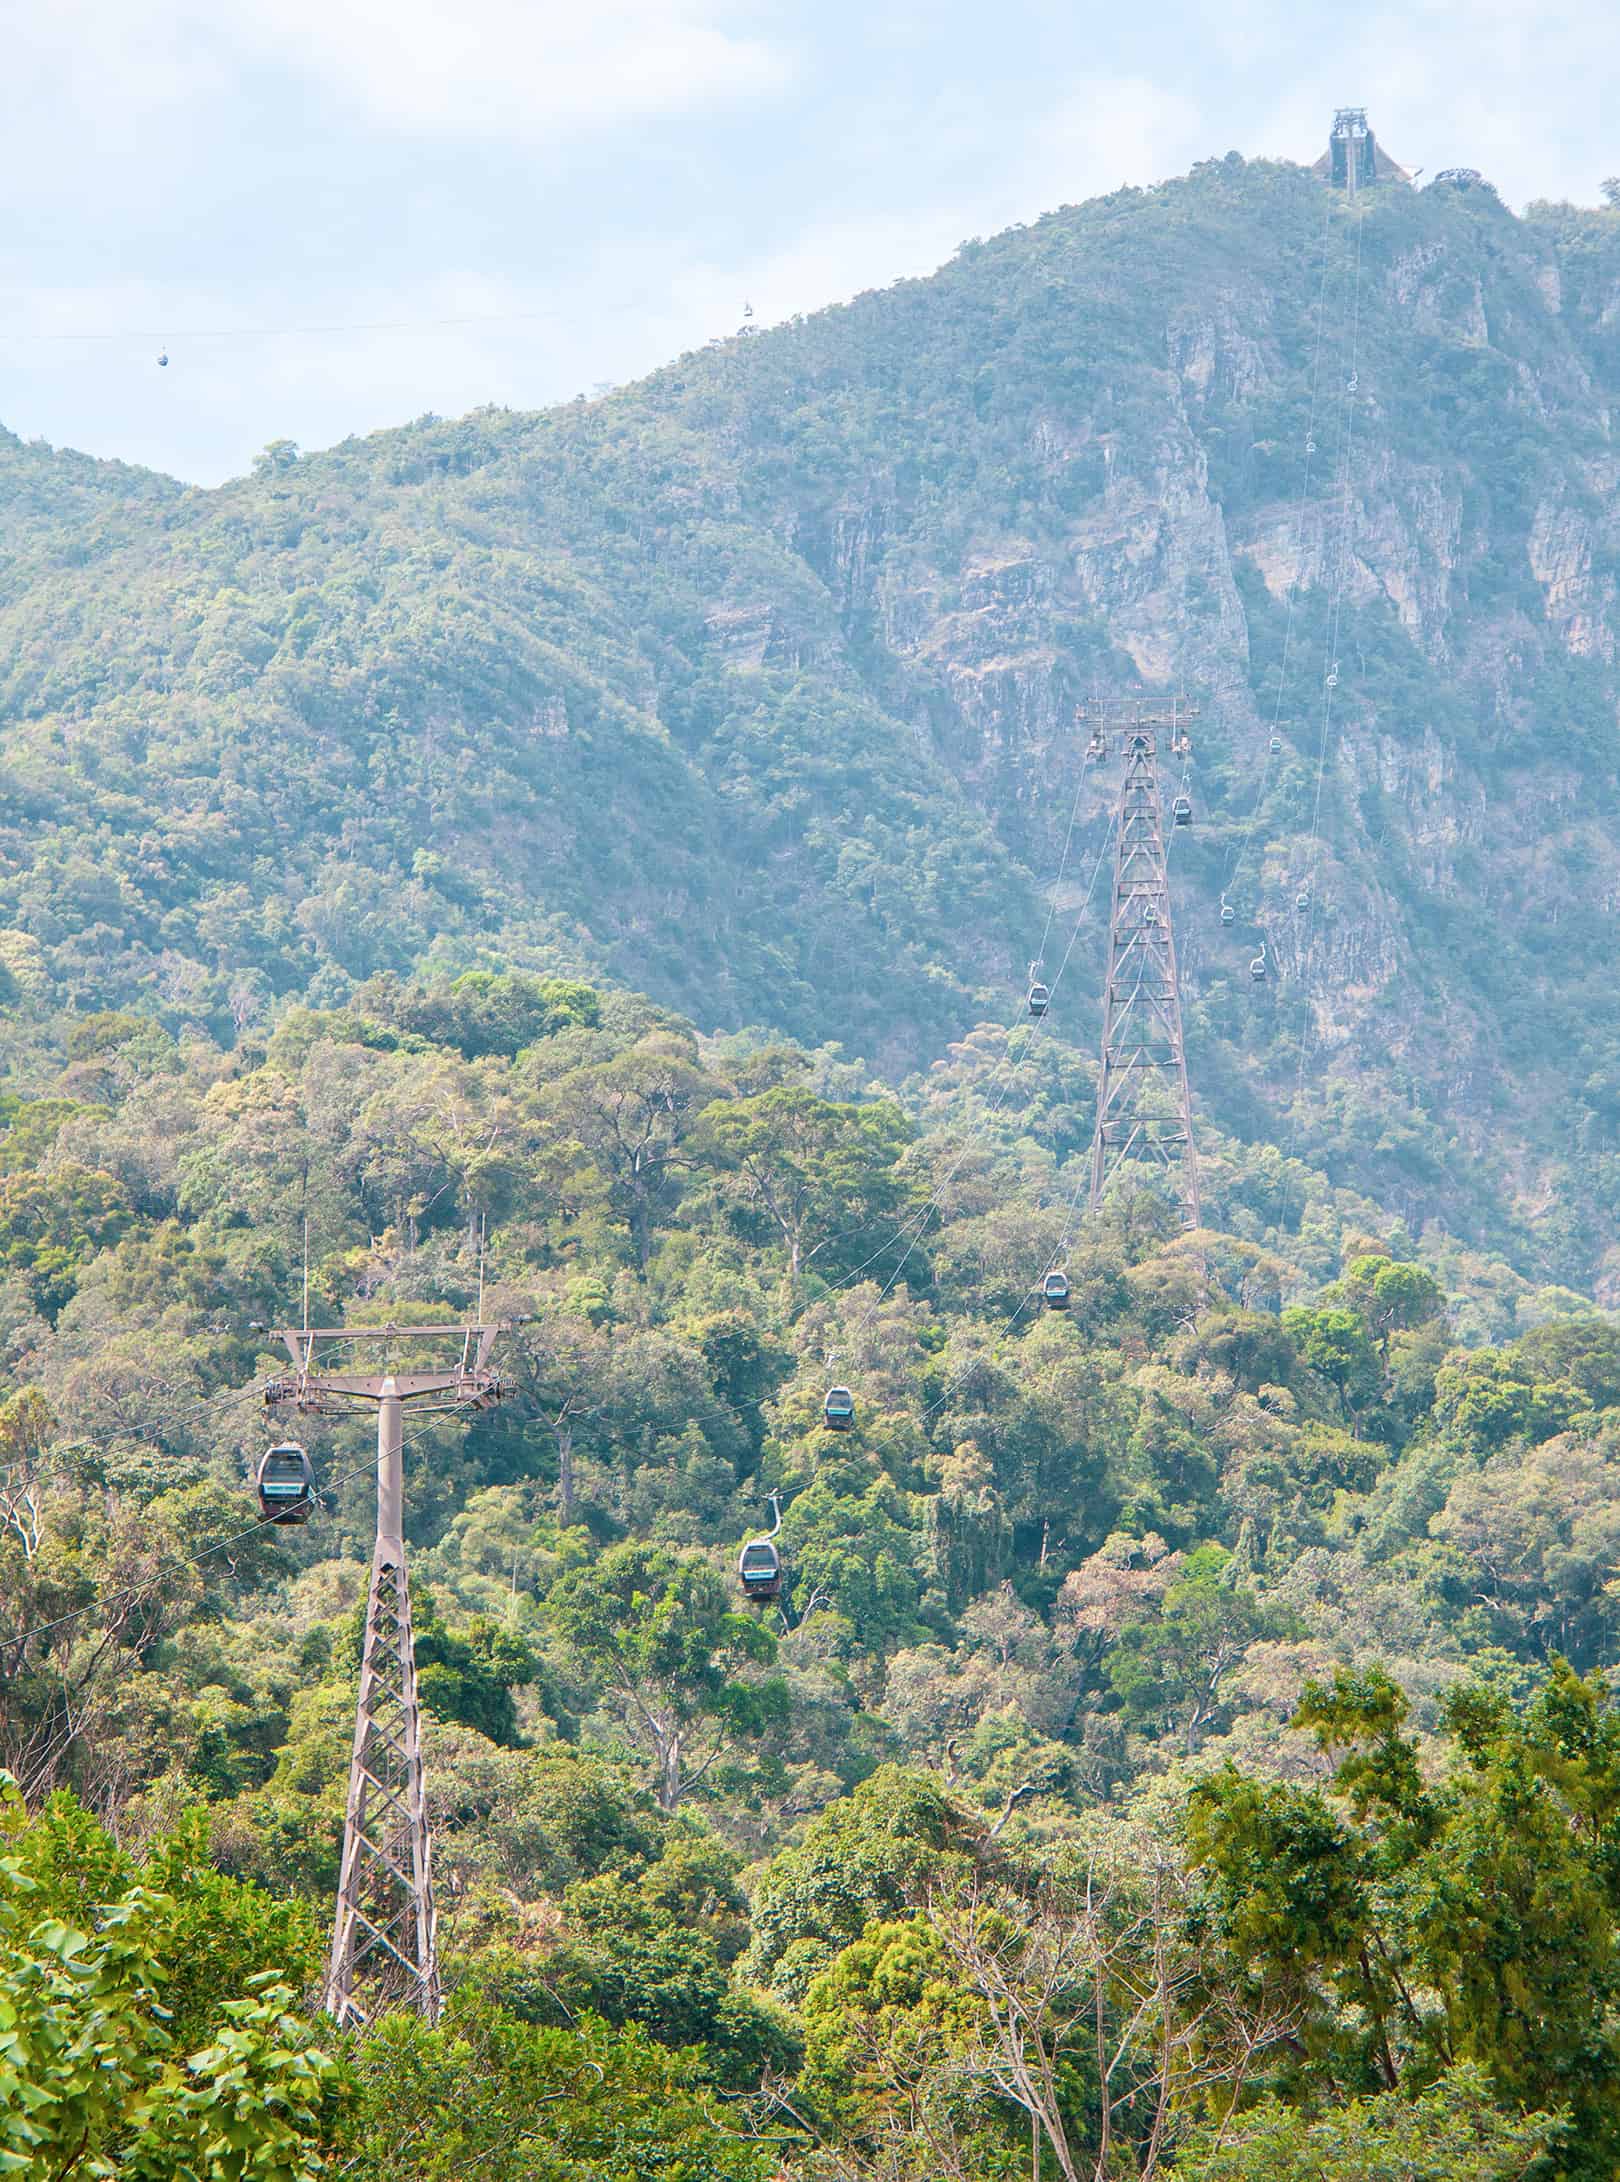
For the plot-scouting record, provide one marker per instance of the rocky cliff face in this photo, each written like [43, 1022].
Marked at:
[755, 684]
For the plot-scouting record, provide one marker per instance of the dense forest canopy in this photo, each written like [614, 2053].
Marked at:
[1190, 1644]
[583, 867]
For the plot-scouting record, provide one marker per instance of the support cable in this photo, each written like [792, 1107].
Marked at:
[1240, 855]
[985, 1118]
[916, 1222]
[143, 1425]
[1348, 400]
[177, 1562]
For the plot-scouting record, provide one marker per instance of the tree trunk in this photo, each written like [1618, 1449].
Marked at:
[668, 1791]
[565, 1474]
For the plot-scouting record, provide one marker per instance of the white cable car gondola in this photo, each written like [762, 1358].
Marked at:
[759, 1565]
[1040, 999]
[759, 1570]
[1055, 1290]
[285, 1484]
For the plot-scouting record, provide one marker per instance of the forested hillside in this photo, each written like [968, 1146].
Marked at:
[583, 867]
[751, 686]
[1079, 1621]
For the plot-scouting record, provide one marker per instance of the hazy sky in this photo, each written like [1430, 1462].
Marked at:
[591, 189]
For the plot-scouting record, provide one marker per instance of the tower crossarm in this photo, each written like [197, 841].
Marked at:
[410, 1386]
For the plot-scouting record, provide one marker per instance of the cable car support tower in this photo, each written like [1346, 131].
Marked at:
[1144, 1107]
[384, 1951]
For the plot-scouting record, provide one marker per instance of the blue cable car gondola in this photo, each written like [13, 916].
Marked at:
[1055, 1288]
[285, 1484]
[838, 1410]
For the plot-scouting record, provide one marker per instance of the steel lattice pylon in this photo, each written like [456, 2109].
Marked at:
[1144, 1108]
[383, 1937]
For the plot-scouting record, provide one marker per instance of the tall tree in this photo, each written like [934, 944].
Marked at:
[820, 1172]
[657, 1632]
[634, 1117]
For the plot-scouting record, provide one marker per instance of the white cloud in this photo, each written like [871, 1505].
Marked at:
[525, 69]
[1105, 130]
[514, 66]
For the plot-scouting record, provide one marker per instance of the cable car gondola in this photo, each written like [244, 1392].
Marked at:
[1055, 1289]
[285, 1484]
[1181, 810]
[838, 1410]
[759, 1570]
[1040, 999]
[1228, 913]
[1257, 968]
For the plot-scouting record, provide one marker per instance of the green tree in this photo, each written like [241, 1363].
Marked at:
[1471, 1918]
[631, 1955]
[1489, 1397]
[634, 1116]
[469, 1674]
[491, 2096]
[1169, 1672]
[1334, 1343]
[821, 1174]
[658, 1634]
[51, 1224]
[1451, 2132]
[485, 1011]
[94, 2078]
[871, 1854]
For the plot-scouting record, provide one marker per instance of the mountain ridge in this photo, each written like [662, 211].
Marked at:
[751, 684]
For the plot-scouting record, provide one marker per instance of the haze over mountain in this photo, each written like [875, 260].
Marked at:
[752, 685]
[578, 872]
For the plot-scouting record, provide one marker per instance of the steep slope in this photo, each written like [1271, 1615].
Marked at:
[753, 685]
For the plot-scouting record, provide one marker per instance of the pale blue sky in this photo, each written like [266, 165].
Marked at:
[597, 188]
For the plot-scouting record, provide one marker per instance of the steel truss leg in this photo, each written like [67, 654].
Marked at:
[383, 1941]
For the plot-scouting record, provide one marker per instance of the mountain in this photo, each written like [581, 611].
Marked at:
[1179, 1727]
[752, 685]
